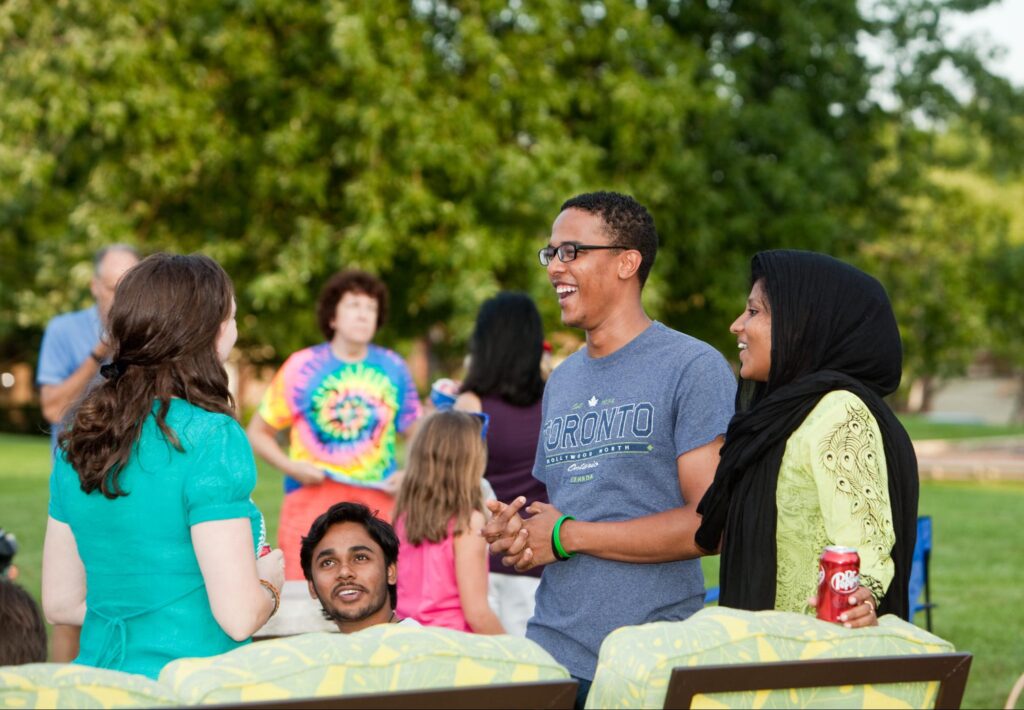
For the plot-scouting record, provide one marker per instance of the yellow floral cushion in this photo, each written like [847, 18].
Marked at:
[380, 659]
[59, 685]
[635, 662]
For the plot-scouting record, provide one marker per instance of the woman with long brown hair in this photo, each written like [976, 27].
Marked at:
[152, 537]
[505, 382]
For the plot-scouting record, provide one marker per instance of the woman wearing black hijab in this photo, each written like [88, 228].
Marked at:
[814, 456]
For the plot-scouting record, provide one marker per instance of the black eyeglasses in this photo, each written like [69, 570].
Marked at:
[566, 252]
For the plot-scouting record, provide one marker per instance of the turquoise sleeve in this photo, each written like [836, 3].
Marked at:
[220, 484]
[60, 467]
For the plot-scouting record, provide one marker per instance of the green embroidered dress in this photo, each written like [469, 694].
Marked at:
[832, 490]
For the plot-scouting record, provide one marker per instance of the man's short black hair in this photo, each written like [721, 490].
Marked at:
[381, 532]
[629, 224]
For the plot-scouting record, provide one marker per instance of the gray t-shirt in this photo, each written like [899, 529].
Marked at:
[612, 430]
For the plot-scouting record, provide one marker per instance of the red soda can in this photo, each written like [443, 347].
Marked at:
[838, 578]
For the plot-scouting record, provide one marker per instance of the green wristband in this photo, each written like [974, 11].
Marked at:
[556, 541]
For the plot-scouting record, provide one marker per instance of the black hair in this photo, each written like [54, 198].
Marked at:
[629, 224]
[23, 637]
[381, 532]
[505, 350]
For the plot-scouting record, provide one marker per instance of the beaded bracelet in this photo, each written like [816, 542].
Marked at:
[276, 594]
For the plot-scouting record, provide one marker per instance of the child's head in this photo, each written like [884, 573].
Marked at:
[22, 634]
[446, 461]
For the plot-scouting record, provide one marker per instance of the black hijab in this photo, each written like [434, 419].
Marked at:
[832, 329]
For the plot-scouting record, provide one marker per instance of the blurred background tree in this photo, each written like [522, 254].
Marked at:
[1004, 304]
[432, 142]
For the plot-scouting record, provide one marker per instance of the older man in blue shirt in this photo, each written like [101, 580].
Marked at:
[69, 361]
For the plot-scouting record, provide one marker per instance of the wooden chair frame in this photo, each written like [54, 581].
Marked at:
[542, 695]
[949, 669]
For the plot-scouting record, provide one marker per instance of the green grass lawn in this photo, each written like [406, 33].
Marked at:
[976, 576]
[920, 428]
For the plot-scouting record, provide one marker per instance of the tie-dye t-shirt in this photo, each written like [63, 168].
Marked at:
[344, 416]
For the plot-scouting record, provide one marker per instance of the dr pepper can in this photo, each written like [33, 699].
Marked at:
[838, 578]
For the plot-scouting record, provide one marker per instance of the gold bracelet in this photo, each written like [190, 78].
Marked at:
[276, 594]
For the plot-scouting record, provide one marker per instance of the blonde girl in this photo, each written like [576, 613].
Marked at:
[442, 573]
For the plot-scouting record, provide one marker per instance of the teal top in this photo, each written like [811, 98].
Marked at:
[146, 603]
[833, 490]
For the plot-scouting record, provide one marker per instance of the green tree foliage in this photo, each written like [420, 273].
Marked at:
[784, 155]
[1005, 304]
[426, 144]
[932, 261]
[432, 142]
[951, 256]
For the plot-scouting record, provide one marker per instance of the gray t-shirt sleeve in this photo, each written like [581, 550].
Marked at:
[705, 397]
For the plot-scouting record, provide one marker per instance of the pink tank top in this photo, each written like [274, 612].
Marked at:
[427, 588]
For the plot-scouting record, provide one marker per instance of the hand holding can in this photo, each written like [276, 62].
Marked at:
[838, 578]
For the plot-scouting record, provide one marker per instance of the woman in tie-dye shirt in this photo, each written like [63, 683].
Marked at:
[345, 402]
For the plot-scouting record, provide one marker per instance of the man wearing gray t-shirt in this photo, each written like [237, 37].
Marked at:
[632, 425]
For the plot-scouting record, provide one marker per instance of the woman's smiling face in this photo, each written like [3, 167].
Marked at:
[753, 331]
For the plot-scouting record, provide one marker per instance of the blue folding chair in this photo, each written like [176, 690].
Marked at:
[919, 578]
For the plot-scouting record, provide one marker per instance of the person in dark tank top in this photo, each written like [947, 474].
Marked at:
[505, 382]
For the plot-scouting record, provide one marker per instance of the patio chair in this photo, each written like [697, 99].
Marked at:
[919, 571]
[949, 669]
[806, 663]
[541, 695]
[388, 665]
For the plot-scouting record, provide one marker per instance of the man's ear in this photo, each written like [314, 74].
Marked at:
[312, 589]
[393, 573]
[629, 264]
